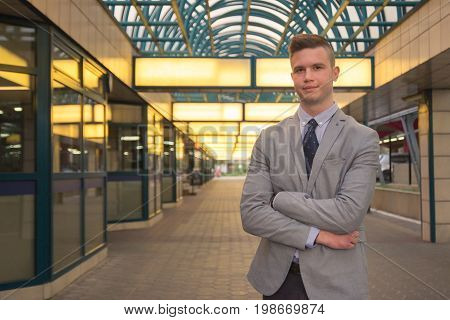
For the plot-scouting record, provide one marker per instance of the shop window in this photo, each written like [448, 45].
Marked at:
[94, 196]
[94, 135]
[17, 123]
[124, 200]
[125, 145]
[66, 128]
[92, 78]
[66, 63]
[66, 223]
[17, 45]
[17, 235]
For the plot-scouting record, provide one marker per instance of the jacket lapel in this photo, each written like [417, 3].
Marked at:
[334, 127]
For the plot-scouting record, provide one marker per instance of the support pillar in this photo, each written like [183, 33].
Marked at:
[434, 137]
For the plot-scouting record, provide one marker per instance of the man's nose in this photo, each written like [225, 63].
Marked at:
[308, 74]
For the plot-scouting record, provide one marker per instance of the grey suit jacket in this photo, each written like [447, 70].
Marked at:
[335, 198]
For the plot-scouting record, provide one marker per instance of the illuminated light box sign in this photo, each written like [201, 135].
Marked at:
[238, 73]
[192, 72]
[276, 72]
[207, 111]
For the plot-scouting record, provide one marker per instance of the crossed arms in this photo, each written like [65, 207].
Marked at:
[289, 221]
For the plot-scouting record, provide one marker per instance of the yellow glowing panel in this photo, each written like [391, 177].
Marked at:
[11, 58]
[23, 80]
[220, 146]
[57, 85]
[87, 113]
[92, 131]
[70, 131]
[207, 111]
[247, 139]
[91, 79]
[108, 113]
[66, 113]
[241, 156]
[269, 111]
[273, 72]
[221, 154]
[99, 113]
[192, 72]
[216, 139]
[254, 128]
[213, 128]
[244, 146]
[355, 72]
[68, 66]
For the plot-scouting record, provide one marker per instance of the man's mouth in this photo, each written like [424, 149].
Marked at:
[309, 88]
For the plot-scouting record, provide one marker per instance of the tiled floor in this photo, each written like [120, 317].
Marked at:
[199, 251]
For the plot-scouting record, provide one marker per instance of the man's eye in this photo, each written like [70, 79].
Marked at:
[299, 70]
[317, 67]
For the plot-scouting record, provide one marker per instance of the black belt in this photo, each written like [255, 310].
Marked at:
[295, 268]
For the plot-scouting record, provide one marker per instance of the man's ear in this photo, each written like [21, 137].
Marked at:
[336, 72]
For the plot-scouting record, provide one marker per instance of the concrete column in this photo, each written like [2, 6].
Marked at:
[434, 137]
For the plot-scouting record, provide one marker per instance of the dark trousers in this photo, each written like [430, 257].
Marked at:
[292, 287]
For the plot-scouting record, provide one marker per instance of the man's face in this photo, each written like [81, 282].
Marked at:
[313, 75]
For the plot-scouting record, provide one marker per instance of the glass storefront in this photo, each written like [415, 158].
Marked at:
[94, 218]
[125, 152]
[17, 152]
[17, 233]
[93, 155]
[94, 135]
[17, 110]
[396, 165]
[66, 223]
[66, 125]
[78, 127]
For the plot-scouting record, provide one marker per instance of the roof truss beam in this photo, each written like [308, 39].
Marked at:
[147, 26]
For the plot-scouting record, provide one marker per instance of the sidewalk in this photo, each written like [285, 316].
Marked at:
[199, 251]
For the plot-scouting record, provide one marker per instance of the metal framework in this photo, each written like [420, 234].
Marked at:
[259, 28]
[252, 28]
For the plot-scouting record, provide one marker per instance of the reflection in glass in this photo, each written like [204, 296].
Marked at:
[66, 223]
[17, 45]
[94, 135]
[151, 195]
[92, 78]
[17, 123]
[17, 238]
[124, 200]
[159, 147]
[125, 145]
[93, 214]
[66, 120]
[181, 159]
[65, 63]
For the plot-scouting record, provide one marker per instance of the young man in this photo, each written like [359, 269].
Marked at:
[310, 181]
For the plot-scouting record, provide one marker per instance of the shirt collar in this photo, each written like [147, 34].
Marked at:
[321, 118]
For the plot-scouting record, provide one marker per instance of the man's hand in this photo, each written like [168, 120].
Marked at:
[338, 241]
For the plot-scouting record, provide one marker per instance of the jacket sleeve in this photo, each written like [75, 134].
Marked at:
[258, 217]
[345, 212]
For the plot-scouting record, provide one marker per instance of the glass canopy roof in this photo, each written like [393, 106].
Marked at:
[249, 28]
[262, 28]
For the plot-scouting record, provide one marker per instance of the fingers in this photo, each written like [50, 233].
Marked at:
[354, 237]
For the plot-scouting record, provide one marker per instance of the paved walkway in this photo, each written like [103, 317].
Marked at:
[199, 251]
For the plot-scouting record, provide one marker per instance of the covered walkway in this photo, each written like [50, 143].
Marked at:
[199, 251]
